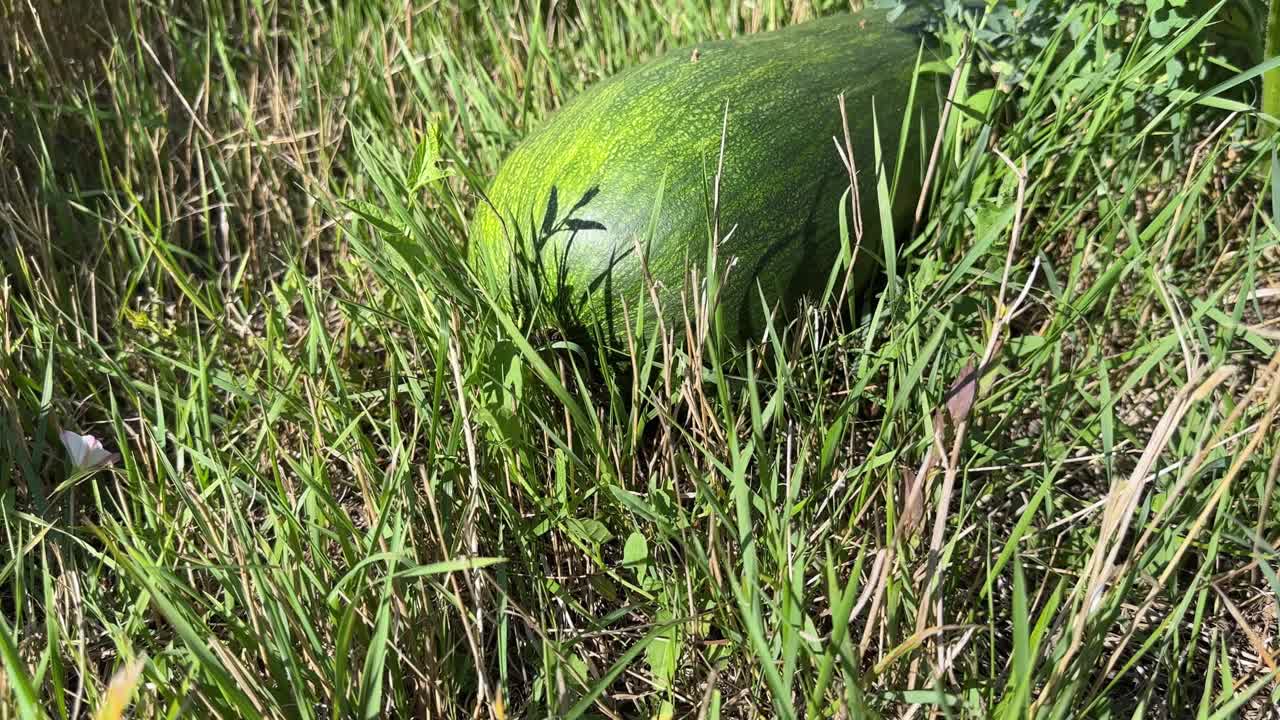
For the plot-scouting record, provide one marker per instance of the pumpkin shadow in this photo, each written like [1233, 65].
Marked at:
[540, 245]
[802, 277]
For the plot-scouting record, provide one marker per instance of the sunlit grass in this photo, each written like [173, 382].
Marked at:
[354, 483]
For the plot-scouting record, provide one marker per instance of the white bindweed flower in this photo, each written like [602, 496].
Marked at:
[86, 451]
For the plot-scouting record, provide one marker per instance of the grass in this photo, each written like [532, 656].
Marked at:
[352, 485]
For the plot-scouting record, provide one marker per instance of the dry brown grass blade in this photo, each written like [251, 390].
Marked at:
[1192, 467]
[937, 138]
[855, 203]
[908, 525]
[1004, 315]
[487, 691]
[1272, 474]
[1269, 378]
[708, 691]
[1255, 640]
[1121, 503]
[914, 641]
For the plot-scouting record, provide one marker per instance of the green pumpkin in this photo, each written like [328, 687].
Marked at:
[628, 166]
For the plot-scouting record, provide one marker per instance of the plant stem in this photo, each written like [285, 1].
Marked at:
[1271, 80]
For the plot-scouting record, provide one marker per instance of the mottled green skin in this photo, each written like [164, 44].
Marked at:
[659, 125]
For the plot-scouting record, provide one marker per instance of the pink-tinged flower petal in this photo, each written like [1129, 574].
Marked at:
[86, 451]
